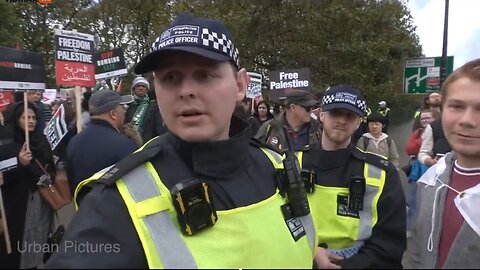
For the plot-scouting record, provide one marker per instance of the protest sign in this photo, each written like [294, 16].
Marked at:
[279, 81]
[56, 128]
[21, 69]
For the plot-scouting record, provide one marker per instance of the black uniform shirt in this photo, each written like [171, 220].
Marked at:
[386, 245]
[238, 173]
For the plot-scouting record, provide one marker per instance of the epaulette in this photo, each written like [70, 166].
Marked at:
[371, 158]
[150, 150]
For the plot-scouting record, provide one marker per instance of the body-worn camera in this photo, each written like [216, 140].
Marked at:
[193, 202]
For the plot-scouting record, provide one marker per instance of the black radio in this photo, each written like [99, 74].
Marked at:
[193, 202]
[356, 187]
[293, 183]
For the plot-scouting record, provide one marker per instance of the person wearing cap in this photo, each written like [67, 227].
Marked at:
[358, 203]
[143, 113]
[385, 111]
[202, 195]
[301, 131]
[101, 144]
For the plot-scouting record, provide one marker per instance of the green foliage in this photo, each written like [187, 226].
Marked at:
[360, 42]
[10, 31]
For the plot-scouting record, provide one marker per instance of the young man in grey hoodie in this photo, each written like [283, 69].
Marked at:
[447, 232]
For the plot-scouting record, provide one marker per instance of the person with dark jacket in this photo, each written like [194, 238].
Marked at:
[358, 204]
[101, 144]
[29, 218]
[159, 207]
[143, 112]
[296, 119]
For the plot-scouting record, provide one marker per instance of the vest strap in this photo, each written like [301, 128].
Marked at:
[149, 207]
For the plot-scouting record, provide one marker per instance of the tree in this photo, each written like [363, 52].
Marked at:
[360, 42]
[9, 26]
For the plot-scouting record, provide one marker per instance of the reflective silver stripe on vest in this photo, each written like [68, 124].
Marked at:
[170, 246]
[374, 171]
[307, 222]
[366, 217]
[274, 154]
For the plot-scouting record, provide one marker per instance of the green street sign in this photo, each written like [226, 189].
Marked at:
[422, 75]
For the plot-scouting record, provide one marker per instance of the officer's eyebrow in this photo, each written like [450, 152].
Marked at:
[202, 62]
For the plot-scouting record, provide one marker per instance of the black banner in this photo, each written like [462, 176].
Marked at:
[109, 64]
[8, 149]
[21, 69]
[73, 49]
[279, 81]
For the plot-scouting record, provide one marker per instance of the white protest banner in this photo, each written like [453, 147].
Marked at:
[49, 95]
[254, 88]
[57, 128]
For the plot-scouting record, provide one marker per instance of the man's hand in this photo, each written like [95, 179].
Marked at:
[431, 161]
[25, 155]
[326, 260]
[61, 176]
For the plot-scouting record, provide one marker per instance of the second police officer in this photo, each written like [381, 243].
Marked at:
[358, 204]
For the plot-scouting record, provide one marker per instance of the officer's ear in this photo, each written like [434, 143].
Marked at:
[359, 121]
[242, 79]
[322, 116]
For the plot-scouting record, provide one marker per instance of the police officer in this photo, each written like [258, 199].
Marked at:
[358, 204]
[201, 195]
[385, 111]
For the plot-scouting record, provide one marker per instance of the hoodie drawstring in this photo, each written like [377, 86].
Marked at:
[430, 236]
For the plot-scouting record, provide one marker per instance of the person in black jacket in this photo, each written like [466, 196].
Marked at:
[143, 113]
[158, 207]
[358, 205]
[101, 144]
[296, 119]
[28, 216]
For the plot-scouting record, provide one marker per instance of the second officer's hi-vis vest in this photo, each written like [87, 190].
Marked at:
[384, 112]
[341, 229]
[253, 236]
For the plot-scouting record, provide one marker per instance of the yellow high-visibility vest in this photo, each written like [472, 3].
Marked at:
[344, 234]
[253, 236]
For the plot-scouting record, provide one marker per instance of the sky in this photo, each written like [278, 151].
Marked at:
[463, 28]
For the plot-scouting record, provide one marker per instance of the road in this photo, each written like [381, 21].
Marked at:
[399, 134]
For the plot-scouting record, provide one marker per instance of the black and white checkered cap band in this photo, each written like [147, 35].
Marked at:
[344, 97]
[190, 35]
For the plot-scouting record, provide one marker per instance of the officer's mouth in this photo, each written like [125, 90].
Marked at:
[467, 136]
[190, 115]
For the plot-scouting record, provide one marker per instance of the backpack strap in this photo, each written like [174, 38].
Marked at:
[366, 141]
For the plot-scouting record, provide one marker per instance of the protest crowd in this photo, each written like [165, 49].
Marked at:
[195, 168]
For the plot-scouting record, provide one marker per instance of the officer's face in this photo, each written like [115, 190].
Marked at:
[461, 119]
[197, 95]
[338, 127]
